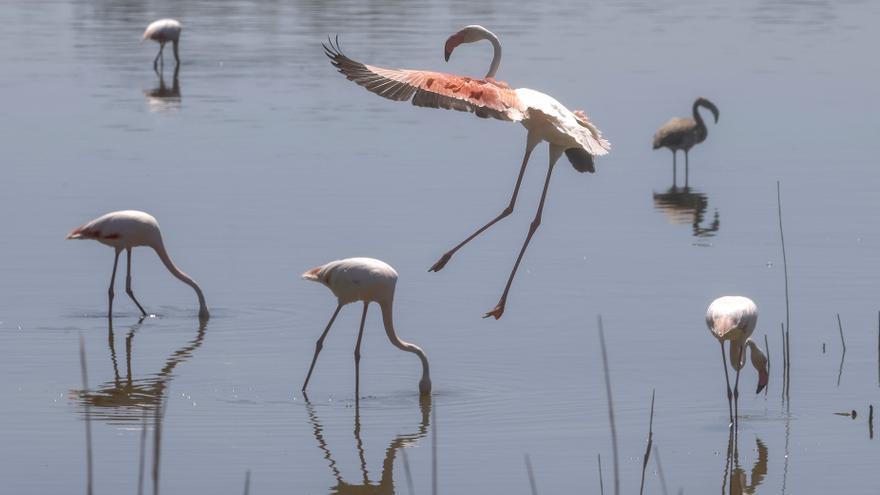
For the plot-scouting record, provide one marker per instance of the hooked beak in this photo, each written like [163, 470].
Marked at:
[453, 41]
[760, 387]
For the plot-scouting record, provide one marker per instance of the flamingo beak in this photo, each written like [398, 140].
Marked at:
[760, 387]
[453, 41]
[763, 378]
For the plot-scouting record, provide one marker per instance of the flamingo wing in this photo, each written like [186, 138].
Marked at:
[673, 133]
[484, 98]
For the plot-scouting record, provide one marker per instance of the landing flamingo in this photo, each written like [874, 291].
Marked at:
[368, 280]
[125, 230]
[544, 118]
[163, 31]
[733, 318]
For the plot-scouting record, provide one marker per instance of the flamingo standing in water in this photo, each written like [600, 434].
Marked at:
[683, 134]
[125, 230]
[544, 118]
[163, 31]
[368, 280]
[733, 318]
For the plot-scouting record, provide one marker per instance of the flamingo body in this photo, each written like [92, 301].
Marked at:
[368, 280]
[124, 230]
[544, 118]
[163, 30]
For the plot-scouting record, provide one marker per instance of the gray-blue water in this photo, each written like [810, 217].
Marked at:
[262, 162]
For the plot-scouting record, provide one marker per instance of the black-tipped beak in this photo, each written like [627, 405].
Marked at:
[760, 387]
[447, 54]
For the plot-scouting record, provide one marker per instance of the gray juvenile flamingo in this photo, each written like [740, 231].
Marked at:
[683, 134]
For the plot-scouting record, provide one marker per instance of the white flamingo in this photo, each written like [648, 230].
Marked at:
[544, 118]
[163, 31]
[733, 319]
[125, 230]
[368, 280]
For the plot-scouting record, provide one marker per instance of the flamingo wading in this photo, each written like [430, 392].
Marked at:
[163, 31]
[733, 319]
[125, 230]
[368, 280]
[683, 134]
[544, 118]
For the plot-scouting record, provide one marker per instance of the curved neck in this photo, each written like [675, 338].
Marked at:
[698, 118]
[159, 247]
[496, 56]
[425, 382]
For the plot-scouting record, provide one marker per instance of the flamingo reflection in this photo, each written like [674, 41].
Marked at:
[125, 398]
[385, 484]
[684, 205]
[739, 483]
[162, 98]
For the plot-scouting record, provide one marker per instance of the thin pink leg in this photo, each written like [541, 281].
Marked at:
[320, 345]
[499, 309]
[128, 283]
[530, 145]
[112, 282]
[357, 357]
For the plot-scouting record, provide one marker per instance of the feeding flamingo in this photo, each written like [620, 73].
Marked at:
[368, 280]
[544, 118]
[733, 318]
[125, 230]
[683, 134]
[163, 31]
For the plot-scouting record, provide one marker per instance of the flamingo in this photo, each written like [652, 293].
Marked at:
[544, 118]
[125, 230]
[683, 134]
[733, 319]
[162, 31]
[368, 280]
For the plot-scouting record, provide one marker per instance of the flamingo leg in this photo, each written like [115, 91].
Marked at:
[128, 283]
[357, 357]
[555, 153]
[159, 55]
[686, 169]
[736, 387]
[530, 145]
[112, 281]
[727, 379]
[176, 57]
[674, 171]
[320, 345]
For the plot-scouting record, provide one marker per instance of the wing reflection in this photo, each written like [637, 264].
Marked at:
[684, 205]
[125, 399]
[385, 485]
[162, 98]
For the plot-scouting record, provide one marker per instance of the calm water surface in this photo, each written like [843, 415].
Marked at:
[260, 162]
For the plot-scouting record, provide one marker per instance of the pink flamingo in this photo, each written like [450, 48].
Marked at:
[368, 280]
[163, 31]
[733, 318]
[544, 118]
[125, 230]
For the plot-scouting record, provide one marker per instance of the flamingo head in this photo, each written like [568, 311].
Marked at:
[759, 361]
[467, 34]
[703, 102]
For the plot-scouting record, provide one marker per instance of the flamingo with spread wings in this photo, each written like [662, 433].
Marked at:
[544, 118]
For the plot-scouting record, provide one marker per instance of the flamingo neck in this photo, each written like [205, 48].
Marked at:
[496, 56]
[701, 124]
[425, 382]
[159, 247]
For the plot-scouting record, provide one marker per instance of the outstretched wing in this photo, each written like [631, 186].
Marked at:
[431, 89]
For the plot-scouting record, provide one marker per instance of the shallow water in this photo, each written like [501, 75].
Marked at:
[261, 162]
